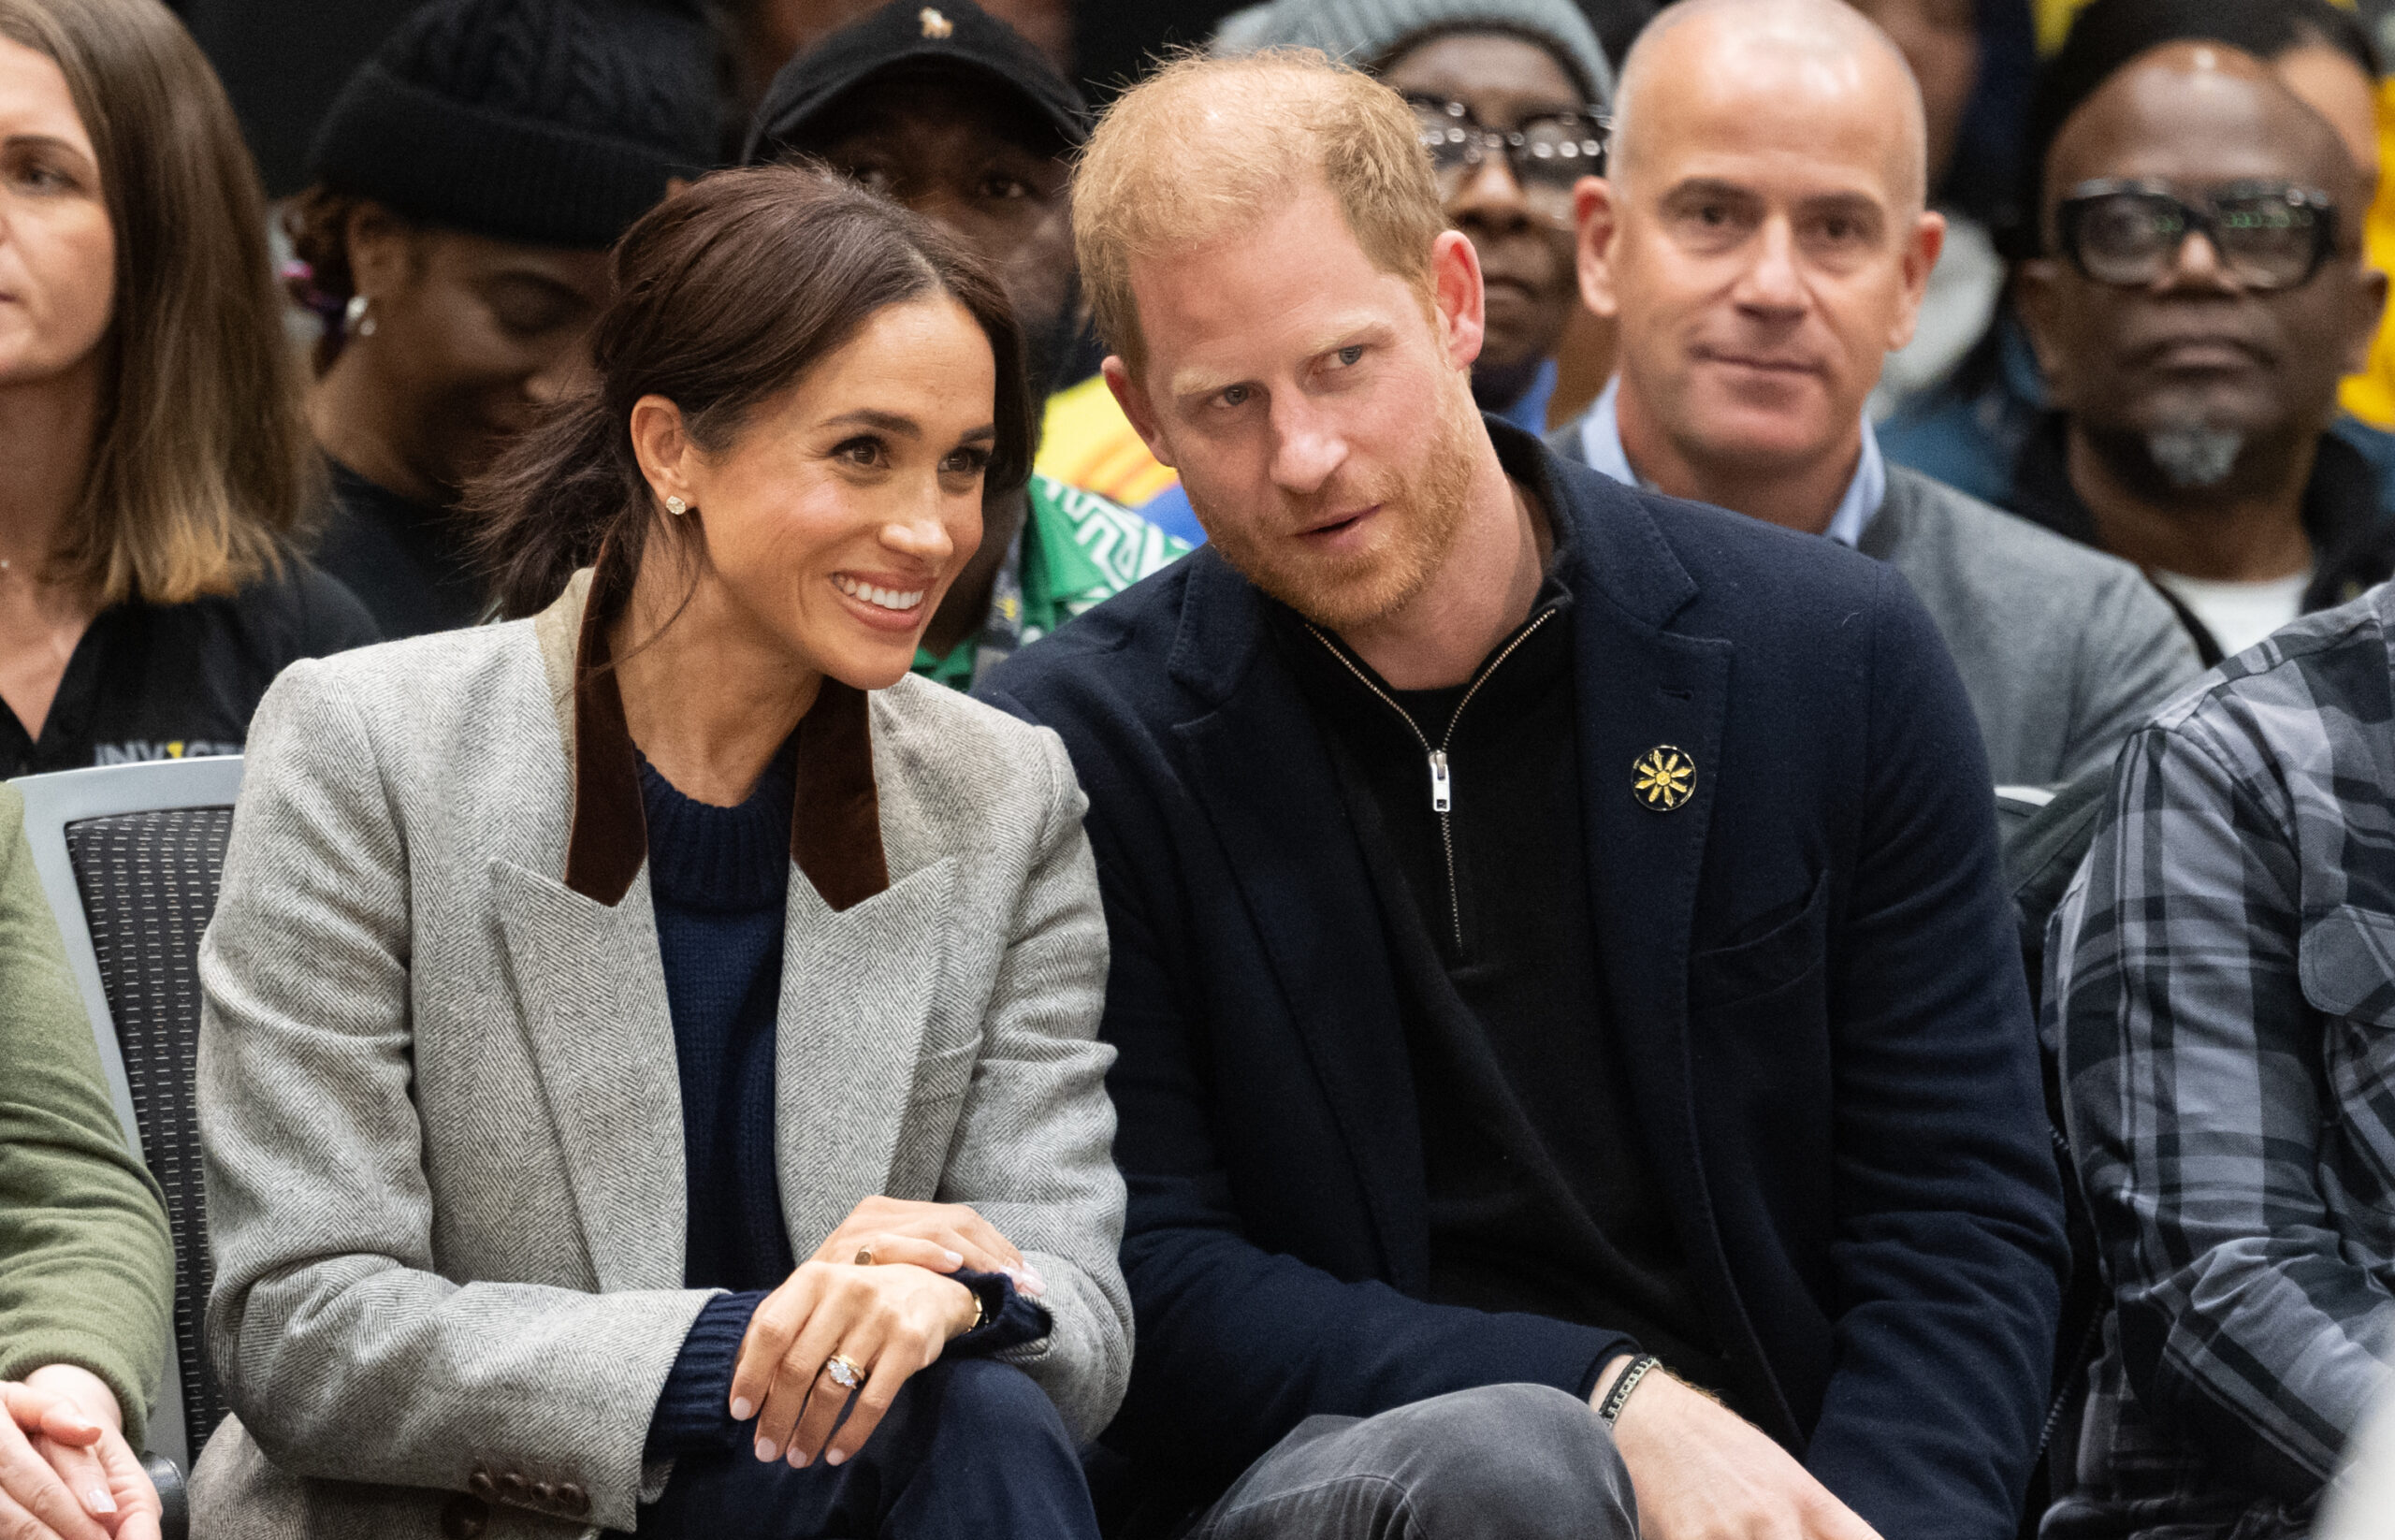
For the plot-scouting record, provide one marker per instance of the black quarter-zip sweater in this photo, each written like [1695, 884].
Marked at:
[1541, 1197]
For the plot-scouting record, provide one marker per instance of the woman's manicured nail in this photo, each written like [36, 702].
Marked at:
[765, 1449]
[953, 1259]
[797, 1458]
[834, 1458]
[741, 1410]
[98, 1501]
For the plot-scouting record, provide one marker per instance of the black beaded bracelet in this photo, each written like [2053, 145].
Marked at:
[1619, 1395]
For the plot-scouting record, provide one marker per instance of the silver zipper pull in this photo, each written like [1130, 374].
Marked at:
[1442, 787]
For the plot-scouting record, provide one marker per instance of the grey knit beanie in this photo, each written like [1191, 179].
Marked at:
[1365, 33]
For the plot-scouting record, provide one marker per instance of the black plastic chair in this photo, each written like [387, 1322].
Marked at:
[2045, 834]
[129, 858]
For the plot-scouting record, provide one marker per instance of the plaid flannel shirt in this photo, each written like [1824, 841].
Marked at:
[2222, 992]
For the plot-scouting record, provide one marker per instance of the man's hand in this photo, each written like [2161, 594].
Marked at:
[1704, 1473]
[939, 1236]
[65, 1470]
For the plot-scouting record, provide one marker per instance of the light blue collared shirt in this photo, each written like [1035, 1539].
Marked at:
[1529, 412]
[1600, 445]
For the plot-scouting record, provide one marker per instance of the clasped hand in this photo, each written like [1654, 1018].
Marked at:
[65, 1470]
[875, 1294]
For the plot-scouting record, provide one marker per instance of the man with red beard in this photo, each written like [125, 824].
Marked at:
[1572, 1041]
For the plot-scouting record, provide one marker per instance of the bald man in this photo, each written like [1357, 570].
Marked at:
[2201, 296]
[1982, 429]
[1762, 243]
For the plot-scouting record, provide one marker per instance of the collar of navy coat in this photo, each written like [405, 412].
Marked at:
[1606, 543]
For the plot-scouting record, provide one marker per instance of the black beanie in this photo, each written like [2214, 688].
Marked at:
[556, 123]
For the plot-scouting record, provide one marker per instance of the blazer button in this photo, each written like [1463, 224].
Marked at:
[481, 1484]
[572, 1499]
[512, 1488]
[544, 1493]
[464, 1517]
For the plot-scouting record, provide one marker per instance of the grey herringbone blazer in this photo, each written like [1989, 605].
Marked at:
[440, 1114]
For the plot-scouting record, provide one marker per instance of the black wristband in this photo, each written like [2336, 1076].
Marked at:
[1619, 1395]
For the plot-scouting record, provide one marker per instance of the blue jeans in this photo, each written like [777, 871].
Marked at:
[970, 1447]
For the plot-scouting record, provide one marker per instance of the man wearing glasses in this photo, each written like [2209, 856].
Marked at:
[2201, 296]
[1511, 94]
[2223, 979]
[1762, 241]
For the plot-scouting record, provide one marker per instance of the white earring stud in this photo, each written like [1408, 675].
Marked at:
[677, 507]
[354, 315]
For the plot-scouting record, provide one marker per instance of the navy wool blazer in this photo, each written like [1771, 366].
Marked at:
[1810, 964]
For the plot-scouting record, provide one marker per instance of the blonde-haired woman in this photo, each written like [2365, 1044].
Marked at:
[157, 463]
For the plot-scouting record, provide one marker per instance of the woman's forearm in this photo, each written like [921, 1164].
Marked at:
[86, 1263]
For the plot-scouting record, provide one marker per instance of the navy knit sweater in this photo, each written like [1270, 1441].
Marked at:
[719, 879]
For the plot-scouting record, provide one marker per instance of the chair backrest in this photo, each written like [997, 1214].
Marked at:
[2044, 836]
[129, 857]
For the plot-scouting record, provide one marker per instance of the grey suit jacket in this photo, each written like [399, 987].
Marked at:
[442, 1119]
[2063, 649]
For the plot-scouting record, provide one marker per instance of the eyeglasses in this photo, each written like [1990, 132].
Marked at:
[2268, 235]
[1547, 154]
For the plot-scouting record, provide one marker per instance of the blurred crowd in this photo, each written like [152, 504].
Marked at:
[1067, 753]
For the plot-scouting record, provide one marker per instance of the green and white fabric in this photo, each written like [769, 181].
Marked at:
[1075, 550]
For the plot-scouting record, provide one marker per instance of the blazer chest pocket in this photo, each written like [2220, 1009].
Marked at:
[943, 1075]
[934, 1105]
[1758, 1048]
[1765, 963]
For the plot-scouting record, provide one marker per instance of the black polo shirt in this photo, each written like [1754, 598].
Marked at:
[177, 681]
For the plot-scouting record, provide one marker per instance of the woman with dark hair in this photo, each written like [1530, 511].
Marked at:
[157, 466]
[661, 1033]
[467, 184]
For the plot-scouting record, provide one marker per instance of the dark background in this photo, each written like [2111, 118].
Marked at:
[283, 60]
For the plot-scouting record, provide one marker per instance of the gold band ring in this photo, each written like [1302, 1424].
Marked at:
[864, 1257]
[844, 1372]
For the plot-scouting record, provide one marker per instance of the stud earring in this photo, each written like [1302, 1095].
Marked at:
[677, 507]
[355, 316]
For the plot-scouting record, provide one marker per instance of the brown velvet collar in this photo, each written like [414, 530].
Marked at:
[835, 814]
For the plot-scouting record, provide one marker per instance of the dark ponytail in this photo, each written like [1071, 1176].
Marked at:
[726, 295]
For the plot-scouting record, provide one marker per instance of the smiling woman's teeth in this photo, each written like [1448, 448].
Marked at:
[886, 599]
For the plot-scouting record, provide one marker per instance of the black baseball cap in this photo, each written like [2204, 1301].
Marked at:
[952, 37]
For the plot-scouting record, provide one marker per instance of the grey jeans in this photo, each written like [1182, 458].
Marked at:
[1505, 1462]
